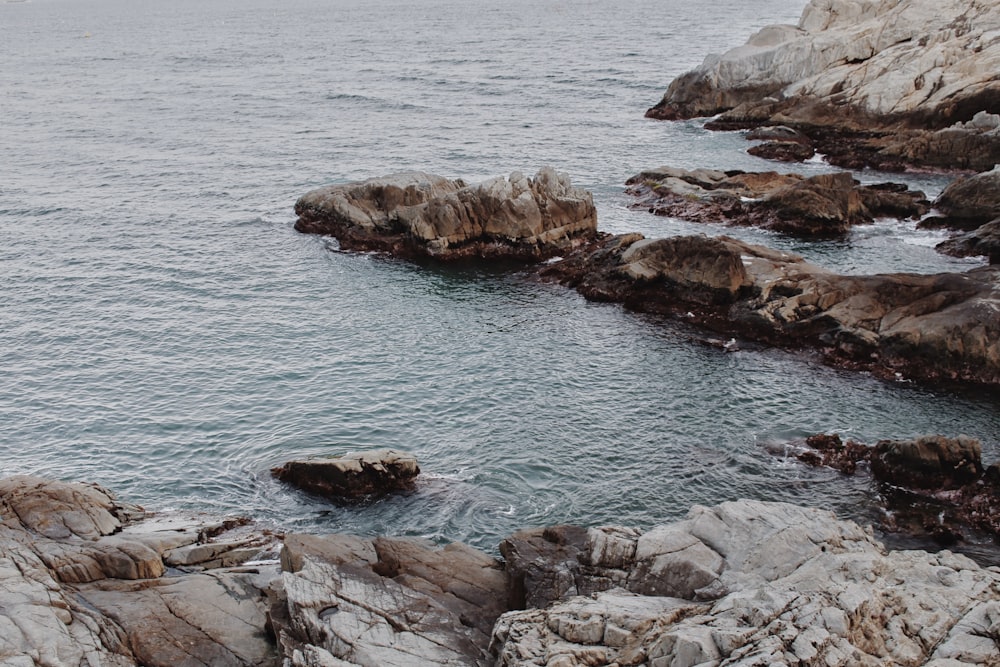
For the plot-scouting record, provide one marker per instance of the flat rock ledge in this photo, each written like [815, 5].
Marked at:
[352, 476]
[827, 205]
[744, 583]
[421, 215]
[879, 83]
[925, 327]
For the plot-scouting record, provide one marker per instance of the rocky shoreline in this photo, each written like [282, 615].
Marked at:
[883, 84]
[88, 580]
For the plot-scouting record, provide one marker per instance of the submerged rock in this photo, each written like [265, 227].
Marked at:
[820, 206]
[416, 214]
[353, 475]
[927, 327]
[879, 83]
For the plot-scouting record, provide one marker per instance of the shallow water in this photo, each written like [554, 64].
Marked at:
[165, 332]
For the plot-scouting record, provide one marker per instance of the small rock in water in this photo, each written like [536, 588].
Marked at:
[353, 475]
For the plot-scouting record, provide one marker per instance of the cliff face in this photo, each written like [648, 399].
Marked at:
[905, 70]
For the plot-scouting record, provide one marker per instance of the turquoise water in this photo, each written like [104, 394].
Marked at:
[165, 332]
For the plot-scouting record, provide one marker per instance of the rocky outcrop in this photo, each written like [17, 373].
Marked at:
[386, 602]
[416, 214]
[883, 83]
[742, 583]
[745, 584]
[970, 201]
[82, 583]
[983, 241]
[931, 485]
[826, 205]
[928, 327]
[352, 476]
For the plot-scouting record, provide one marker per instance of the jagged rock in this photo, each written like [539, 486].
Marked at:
[384, 602]
[80, 584]
[942, 326]
[971, 201]
[985, 240]
[870, 82]
[416, 214]
[791, 586]
[352, 475]
[820, 206]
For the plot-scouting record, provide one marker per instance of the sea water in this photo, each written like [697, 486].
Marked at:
[165, 332]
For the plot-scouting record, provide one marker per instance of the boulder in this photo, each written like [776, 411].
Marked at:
[928, 462]
[985, 240]
[879, 83]
[385, 602]
[351, 476]
[929, 327]
[783, 151]
[971, 201]
[783, 585]
[416, 214]
[826, 205]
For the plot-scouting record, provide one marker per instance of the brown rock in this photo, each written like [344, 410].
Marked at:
[984, 240]
[971, 201]
[928, 462]
[354, 475]
[416, 214]
[783, 151]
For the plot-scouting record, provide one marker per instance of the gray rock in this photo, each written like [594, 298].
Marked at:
[970, 201]
[386, 602]
[795, 586]
[984, 240]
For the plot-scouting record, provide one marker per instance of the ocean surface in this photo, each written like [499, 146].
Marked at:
[165, 332]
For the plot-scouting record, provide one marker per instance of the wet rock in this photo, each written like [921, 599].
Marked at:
[783, 151]
[927, 327]
[787, 586]
[416, 214]
[971, 201]
[353, 475]
[928, 462]
[830, 451]
[871, 83]
[826, 205]
[985, 240]
[778, 133]
[383, 601]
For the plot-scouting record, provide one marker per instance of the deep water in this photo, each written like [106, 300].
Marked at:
[165, 332]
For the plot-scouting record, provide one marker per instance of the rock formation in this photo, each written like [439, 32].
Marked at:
[351, 476]
[883, 83]
[918, 326]
[417, 214]
[820, 206]
[969, 201]
[931, 484]
[746, 584]
[82, 584]
[743, 583]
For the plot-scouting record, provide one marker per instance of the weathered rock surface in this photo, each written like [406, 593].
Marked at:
[784, 151]
[984, 240]
[80, 584]
[970, 201]
[386, 602]
[944, 326]
[932, 485]
[883, 83]
[820, 206]
[352, 475]
[779, 585]
[416, 214]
